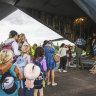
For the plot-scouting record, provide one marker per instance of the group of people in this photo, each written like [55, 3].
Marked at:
[19, 61]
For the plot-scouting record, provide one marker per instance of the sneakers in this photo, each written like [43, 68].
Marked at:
[64, 71]
[54, 84]
[59, 70]
[48, 83]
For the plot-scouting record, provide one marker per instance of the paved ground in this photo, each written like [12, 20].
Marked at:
[72, 83]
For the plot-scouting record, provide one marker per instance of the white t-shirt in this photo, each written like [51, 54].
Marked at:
[62, 52]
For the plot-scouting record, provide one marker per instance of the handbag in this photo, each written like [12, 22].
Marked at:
[55, 56]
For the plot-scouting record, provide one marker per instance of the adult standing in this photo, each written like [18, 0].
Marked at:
[78, 50]
[63, 57]
[51, 64]
[13, 37]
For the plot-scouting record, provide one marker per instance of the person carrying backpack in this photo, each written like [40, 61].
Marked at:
[25, 54]
[20, 64]
[41, 62]
[9, 74]
[11, 44]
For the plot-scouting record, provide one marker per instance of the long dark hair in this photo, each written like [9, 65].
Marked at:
[62, 45]
[39, 52]
[45, 42]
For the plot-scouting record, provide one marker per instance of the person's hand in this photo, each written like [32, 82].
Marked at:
[51, 46]
[19, 44]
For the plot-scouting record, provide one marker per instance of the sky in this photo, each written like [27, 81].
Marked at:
[23, 23]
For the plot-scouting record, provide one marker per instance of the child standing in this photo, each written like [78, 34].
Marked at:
[25, 54]
[41, 62]
[9, 74]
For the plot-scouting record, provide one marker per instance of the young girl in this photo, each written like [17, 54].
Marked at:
[25, 54]
[39, 59]
[22, 41]
[6, 67]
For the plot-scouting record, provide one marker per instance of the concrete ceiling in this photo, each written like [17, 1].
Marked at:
[57, 7]
[6, 9]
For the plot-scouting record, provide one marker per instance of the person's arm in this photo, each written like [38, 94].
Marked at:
[19, 75]
[15, 48]
[43, 64]
[59, 51]
[29, 59]
[93, 42]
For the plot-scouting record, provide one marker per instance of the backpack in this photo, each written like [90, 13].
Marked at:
[21, 64]
[38, 64]
[39, 81]
[8, 84]
[9, 46]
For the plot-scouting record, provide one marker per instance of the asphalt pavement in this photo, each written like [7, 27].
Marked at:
[72, 83]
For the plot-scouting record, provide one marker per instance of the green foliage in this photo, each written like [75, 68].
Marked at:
[56, 49]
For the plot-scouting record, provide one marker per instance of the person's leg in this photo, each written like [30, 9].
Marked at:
[60, 63]
[64, 62]
[52, 76]
[59, 69]
[35, 92]
[77, 61]
[24, 89]
[41, 92]
[48, 76]
[29, 92]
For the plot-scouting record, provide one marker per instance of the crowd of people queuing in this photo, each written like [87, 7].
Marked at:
[32, 67]
[16, 57]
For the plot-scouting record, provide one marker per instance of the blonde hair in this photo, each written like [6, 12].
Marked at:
[5, 56]
[25, 49]
[21, 37]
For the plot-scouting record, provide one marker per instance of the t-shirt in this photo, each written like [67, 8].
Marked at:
[62, 52]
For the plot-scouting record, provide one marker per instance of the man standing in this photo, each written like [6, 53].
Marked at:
[78, 55]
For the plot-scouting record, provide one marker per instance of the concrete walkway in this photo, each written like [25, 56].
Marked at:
[72, 83]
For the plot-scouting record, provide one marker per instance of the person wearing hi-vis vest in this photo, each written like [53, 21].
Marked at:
[32, 50]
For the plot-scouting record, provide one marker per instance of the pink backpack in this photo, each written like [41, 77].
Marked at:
[9, 46]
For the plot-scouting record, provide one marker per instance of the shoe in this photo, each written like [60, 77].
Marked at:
[91, 70]
[54, 84]
[64, 71]
[48, 83]
[59, 70]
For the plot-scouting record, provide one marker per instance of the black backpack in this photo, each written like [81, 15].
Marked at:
[8, 84]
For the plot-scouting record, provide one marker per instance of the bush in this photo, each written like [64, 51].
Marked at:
[56, 49]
